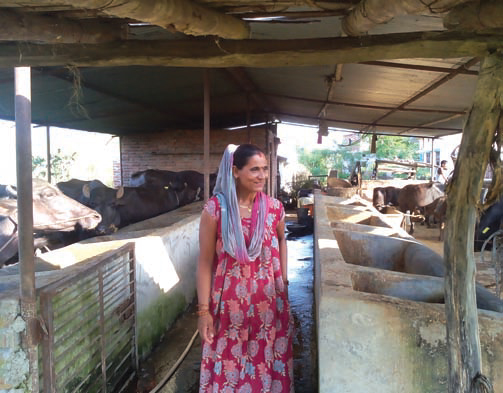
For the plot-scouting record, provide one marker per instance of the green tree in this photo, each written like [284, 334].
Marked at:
[60, 166]
[344, 158]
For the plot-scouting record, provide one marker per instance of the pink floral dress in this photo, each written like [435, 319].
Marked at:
[252, 350]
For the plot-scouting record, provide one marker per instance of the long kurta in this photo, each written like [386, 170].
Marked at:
[252, 349]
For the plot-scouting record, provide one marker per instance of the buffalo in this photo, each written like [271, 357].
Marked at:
[413, 196]
[52, 211]
[128, 205]
[385, 196]
[177, 181]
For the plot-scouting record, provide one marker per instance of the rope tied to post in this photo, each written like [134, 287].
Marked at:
[481, 384]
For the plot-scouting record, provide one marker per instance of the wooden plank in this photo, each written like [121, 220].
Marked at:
[462, 324]
[253, 53]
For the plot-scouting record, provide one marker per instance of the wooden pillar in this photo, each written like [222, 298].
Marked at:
[206, 134]
[461, 311]
[22, 104]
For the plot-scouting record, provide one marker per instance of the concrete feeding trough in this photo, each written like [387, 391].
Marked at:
[381, 318]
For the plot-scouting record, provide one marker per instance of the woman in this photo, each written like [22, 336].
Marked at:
[244, 316]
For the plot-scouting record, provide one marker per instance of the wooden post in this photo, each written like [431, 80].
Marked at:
[206, 134]
[461, 311]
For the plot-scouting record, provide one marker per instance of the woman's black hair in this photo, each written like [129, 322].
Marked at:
[243, 153]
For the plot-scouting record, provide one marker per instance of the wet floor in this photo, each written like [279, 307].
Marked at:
[186, 377]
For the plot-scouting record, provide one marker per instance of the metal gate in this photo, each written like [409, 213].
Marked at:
[89, 343]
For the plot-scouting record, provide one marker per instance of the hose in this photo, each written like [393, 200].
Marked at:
[172, 370]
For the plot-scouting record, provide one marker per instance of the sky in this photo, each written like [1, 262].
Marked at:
[95, 151]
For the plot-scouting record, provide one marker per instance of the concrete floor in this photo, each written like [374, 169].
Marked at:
[485, 270]
[186, 378]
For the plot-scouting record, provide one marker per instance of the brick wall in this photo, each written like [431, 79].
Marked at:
[180, 150]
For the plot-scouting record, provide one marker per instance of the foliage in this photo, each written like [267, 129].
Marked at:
[60, 166]
[344, 158]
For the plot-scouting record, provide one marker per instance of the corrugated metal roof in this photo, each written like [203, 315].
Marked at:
[122, 100]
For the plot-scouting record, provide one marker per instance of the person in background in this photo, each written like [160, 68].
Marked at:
[442, 172]
[243, 312]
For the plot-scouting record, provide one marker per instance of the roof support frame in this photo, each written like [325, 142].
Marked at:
[429, 89]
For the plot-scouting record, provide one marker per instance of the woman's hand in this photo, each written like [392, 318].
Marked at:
[205, 327]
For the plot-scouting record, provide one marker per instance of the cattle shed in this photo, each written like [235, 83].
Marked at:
[157, 73]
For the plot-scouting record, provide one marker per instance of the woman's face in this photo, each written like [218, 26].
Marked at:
[253, 175]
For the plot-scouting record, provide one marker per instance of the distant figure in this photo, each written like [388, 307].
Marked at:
[442, 172]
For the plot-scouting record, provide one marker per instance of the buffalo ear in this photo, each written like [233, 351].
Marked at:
[11, 191]
[120, 193]
[86, 190]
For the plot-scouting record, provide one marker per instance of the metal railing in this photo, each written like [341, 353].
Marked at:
[89, 343]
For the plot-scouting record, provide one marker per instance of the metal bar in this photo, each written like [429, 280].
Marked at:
[363, 106]
[22, 104]
[61, 325]
[124, 358]
[430, 88]
[206, 146]
[47, 343]
[102, 332]
[419, 67]
[132, 290]
[72, 347]
[90, 357]
[432, 163]
[119, 337]
[48, 142]
[77, 388]
[455, 130]
[109, 256]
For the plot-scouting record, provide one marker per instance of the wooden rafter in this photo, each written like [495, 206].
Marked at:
[186, 16]
[253, 53]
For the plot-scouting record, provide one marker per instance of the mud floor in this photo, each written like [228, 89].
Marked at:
[301, 295]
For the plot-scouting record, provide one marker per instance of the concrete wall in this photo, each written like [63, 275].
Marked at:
[181, 150]
[369, 340]
[166, 249]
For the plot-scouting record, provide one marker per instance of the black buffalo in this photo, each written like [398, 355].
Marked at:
[7, 191]
[177, 181]
[52, 211]
[128, 205]
[488, 223]
[385, 196]
[413, 196]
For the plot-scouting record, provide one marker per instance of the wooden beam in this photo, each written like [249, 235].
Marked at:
[463, 343]
[253, 53]
[186, 16]
[369, 13]
[31, 27]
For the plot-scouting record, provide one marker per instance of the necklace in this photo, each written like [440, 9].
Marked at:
[247, 208]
